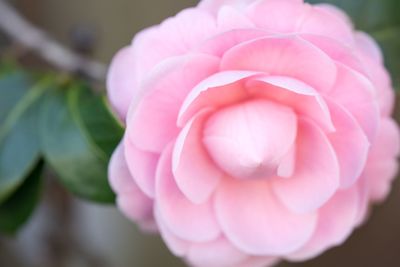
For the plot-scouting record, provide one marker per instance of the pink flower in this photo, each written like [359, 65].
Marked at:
[255, 131]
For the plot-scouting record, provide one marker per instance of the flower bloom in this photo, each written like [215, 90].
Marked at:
[255, 131]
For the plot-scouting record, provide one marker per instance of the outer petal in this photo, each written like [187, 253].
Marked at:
[256, 222]
[152, 124]
[122, 81]
[142, 165]
[217, 45]
[218, 253]
[336, 221]
[176, 211]
[356, 94]
[350, 144]
[282, 14]
[194, 171]
[368, 46]
[131, 200]
[382, 164]
[286, 56]
[320, 21]
[174, 37]
[230, 18]
[336, 50]
[286, 16]
[337, 12]
[213, 6]
[316, 177]
[178, 246]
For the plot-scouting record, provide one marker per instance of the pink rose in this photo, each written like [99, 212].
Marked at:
[255, 131]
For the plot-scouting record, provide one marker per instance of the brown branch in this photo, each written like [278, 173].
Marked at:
[29, 36]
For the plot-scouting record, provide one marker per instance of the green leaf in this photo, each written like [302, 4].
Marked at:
[381, 19]
[103, 128]
[18, 208]
[69, 146]
[19, 142]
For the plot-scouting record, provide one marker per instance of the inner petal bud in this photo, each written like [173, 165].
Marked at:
[250, 139]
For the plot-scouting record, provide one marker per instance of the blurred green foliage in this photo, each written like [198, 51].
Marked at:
[55, 122]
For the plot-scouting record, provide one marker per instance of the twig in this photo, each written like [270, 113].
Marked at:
[23, 32]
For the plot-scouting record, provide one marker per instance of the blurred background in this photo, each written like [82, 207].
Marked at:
[68, 232]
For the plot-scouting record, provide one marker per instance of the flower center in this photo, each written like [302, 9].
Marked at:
[250, 139]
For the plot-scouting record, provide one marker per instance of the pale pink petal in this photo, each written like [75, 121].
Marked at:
[382, 164]
[248, 140]
[195, 173]
[152, 124]
[364, 201]
[336, 220]
[356, 94]
[379, 176]
[382, 83]
[319, 21]
[316, 178]
[131, 200]
[336, 50]
[120, 178]
[213, 6]
[293, 93]
[218, 44]
[286, 56]
[174, 37]
[142, 165]
[276, 15]
[256, 222]
[288, 163]
[122, 81]
[230, 18]
[139, 208]
[221, 89]
[337, 12]
[217, 253]
[176, 211]
[368, 46]
[387, 143]
[350, 144]
[177, 246]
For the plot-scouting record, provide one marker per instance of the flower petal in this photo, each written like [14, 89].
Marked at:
[194, 171]
[356, 94]
[293, 93]
[131, 200]
[176, 210]
[287, 56]
[248, 140]
[230, 18]
[282, 14]
[142, 165]
[122, 81]
[336, 220]
[217, 253]
[177, 246]
[152, 124]
[217, 45]
[256, 222]
[221, 89]
[350, 144]
[316, 177]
